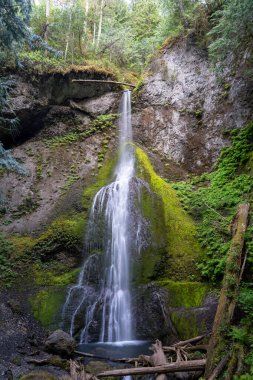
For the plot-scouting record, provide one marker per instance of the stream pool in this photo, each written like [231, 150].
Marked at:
[117, 350]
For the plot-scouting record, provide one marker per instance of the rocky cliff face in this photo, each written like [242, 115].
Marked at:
[183, 108]
[60, 141]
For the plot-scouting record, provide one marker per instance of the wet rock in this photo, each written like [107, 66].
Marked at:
[14, 306]
[151, 315]
[98, 106]
[183, 108]
[60, 343]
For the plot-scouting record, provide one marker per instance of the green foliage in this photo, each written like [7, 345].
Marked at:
[185, 294]
[182, 246]
[8, 162]
[46, 306]
[48, 275]
[99, 124]
[6, 272]
[61, 235]
[213, 199]
[7, 126]
[233, 32]
[14, 17]
[245, 300]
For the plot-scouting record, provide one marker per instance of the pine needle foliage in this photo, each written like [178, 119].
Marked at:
[14, 17]
[232, 36]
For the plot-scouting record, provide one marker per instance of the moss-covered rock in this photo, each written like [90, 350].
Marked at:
[47, 304]
[185, 294]
[49, 277]
[187, 323]
[182, 250]
[65, 233]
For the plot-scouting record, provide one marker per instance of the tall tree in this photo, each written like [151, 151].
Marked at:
[14, 17]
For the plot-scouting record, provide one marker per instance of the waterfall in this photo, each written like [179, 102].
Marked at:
[107, 301]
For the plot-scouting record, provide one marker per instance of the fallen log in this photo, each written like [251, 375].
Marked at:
[217, 371]
[235, 264]
[191, 365]
[189, 341]
[104, 81]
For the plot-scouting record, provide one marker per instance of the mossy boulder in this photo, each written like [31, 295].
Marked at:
[191, 306]
[60, 343]
[185, 294]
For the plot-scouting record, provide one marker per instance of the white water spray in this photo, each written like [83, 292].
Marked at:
[111, 203]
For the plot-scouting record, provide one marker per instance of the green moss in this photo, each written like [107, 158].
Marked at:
[185, 294]
[64, 233]
[49, 277]
[182, 246]
[212, 199]
[150, 264]
[186, 324]
[46, 306]
[103, 178]
[99, 124]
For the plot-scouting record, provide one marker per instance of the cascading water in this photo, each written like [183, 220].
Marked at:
[109, 303]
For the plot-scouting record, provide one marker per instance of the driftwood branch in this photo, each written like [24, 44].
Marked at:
[191, 341]
[158, 358]
[104, 81]
[191, 365]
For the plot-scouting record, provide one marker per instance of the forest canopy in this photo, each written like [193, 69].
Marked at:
[124, 33]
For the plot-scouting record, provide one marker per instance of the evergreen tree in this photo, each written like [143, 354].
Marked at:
[233, 33]
[14, 17]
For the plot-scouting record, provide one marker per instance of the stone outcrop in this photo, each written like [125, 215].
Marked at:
[60, 343]
[183, 108]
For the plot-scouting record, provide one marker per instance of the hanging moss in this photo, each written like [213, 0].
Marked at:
[182, 248]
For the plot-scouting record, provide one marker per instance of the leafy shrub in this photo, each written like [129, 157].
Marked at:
[213, 199]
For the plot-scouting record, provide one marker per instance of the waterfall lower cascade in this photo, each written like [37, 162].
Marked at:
[101, 299]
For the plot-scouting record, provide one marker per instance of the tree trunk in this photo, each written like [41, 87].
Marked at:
[94, 33]
[100, 22]
[68, 32]
[85, 24]
[47, 24]
[231, 281]
[191, 365]
[104, 81]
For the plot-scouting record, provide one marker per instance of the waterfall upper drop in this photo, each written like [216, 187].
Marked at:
[114, 198]
[108, 304]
